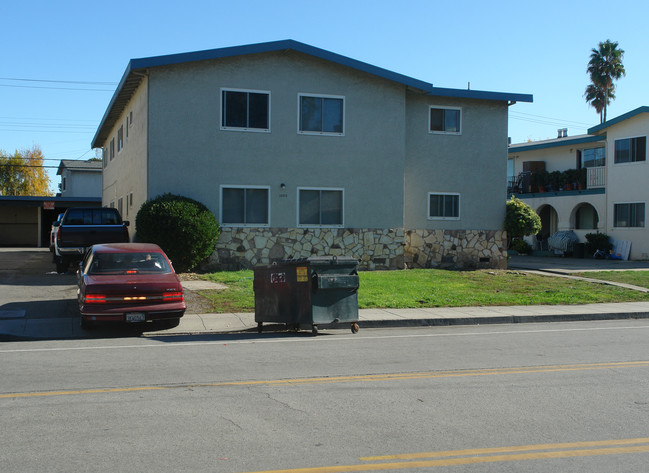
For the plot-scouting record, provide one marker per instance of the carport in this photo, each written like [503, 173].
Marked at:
[25, 221]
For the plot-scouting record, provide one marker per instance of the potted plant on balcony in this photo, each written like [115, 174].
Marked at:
[539, 181]
[556, 181]
[581, 178]
[570, 177]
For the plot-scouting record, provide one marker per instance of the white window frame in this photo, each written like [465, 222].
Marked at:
[445, 107]
[310, 225]
[459, 206]
[320, 96]
[245, 129]
[227, 186]
[630, 227]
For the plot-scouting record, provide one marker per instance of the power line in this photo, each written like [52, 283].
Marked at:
[59, 81]
[55, 88]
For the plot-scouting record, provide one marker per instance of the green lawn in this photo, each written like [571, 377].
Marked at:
[636, 278]
[437, 288]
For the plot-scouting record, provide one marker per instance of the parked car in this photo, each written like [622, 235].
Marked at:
[80, 228]
[131, 283]
[53, 231]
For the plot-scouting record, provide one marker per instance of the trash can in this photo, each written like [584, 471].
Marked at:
[309, 291]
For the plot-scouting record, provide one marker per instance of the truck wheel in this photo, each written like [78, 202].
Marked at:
[62, 266]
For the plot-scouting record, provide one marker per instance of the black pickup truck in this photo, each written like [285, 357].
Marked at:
[80, 228]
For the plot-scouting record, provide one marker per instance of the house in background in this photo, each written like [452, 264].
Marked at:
[27, 220]
[611, 163]
[299, 151]
[79, 178]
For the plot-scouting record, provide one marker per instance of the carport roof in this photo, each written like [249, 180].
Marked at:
[133, 76]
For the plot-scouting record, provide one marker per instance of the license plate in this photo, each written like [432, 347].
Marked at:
[135, 317]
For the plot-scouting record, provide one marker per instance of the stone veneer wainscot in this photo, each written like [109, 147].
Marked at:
[246, 247]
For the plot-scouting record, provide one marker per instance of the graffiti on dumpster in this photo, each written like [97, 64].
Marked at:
[277, 278]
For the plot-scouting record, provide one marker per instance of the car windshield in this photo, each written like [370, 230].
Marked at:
[145, 262]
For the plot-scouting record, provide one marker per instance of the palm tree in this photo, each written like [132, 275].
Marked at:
[604, 67]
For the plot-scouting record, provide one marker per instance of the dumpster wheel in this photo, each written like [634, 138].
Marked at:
[354, 327]
[314, 330]
[260, 327]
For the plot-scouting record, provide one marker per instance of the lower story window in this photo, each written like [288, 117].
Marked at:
[245, 205]
[443, 206]
[320, 207]
[629, 215]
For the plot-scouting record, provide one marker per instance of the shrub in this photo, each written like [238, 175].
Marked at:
[597, 241]
[521, 246]
[185, 229]
[521, 219]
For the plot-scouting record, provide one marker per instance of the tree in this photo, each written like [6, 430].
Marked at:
[521, 219]
[23, 173]
[604, 67]
[184, 228]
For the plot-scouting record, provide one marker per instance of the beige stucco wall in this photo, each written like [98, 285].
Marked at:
[627, 183]
[127, 172]
[81, 183]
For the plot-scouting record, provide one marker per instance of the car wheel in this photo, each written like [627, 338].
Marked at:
[86, 324]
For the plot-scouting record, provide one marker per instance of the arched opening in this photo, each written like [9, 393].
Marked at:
[549, 221]
[586, 217]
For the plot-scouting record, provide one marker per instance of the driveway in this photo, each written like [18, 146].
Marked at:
[573, 265]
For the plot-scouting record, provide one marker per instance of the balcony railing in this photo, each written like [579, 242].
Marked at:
[596, 178]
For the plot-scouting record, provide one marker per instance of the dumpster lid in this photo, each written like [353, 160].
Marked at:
[332, 259]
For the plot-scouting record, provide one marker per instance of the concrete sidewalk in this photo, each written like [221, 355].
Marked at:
[15, 327]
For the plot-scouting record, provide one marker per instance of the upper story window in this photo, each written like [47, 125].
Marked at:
[111, 149]
[104, 156]
[245, 110]
[590, 158]
[321, 114]
[320, 207]
[629, 215]
[445, 120]
[443, 206]
[630, 150]
[245, 205]
[120, 138]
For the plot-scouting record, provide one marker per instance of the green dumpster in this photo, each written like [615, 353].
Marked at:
[309, 291]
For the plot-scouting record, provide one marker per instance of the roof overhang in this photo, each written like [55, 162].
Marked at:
[137, 68]
[616, 120]
[577, 140]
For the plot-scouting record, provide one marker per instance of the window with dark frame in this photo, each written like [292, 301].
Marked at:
[112, 148]
[320, 207]
[629, 215]
[244, 206]
[630, 150]
[120, 138]
[443, 206]
[245, 110]
[445, 120]
[321, 114]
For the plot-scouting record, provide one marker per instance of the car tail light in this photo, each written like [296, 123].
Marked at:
[173, 297]
[95, 299]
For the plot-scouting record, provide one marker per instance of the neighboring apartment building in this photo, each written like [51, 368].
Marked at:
[299, 151]
[615, 195]
[79, 178]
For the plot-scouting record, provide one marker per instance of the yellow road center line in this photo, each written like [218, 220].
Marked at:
[520, 448]
[348, 379]
[464, 461]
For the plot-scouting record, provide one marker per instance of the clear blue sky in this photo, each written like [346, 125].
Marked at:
[539, 48]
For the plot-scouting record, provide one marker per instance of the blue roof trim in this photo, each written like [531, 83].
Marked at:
[481, 94]
[130, 80]
[621, 118]
[555, 143]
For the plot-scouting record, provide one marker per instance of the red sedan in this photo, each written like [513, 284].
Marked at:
[130, 283]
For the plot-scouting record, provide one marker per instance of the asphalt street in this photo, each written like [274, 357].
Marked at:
[541, 397]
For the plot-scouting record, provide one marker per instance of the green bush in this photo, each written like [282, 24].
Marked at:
[521, 246]
[185, 229]
[521, 219]
[597, 241]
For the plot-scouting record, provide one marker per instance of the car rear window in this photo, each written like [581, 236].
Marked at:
[106, 263]
[97, 216]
